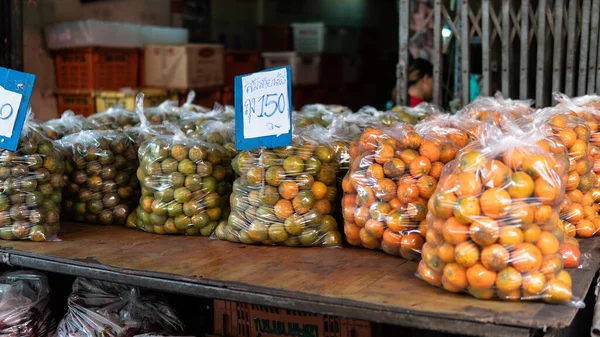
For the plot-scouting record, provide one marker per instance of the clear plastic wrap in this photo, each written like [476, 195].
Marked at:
[185, 186]
[144, 131]
[115, 118]
[25, 305]
[416, 114]
[32, 179]
[102, 185]
[493, 228]
[285, 195]
[98, 308]
[67, 124]
[167, 111]
[392, 175]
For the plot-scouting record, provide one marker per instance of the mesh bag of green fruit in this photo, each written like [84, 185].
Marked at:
[115, 118]
[186, 184]
[67, 124]
[32, 181]
[101, 183]
[285, 196]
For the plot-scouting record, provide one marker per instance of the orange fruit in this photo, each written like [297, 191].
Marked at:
[578, 150]
[375, 171]
[543, 214]
[429, 275]
[510, 235]
[422, 229]
[573, 181]
[471, 161]
[532, 234]
[352, 231]
[411, 140]
[394, 168]
[323, 206]
[447, 153]
[481, 293]
[426, 185]
[430, 150]
[548, 243]
[430, 256]
[454, 231]
[547, 192]
[557, 292]
[495, 202]
[319, 190]
[375, 228]
[582, 133]
[480, 277]
[385, 189]
[408, 155]
[288, 190]
[583, 166]
[283, 209]
[521, 186]
[495, 257]
[508, 279]
[576, 196]
[574, 214]
[484, 231]
[557, 122]
[367, 240]
[570, 254]
[533, 283]
[596, 223]
[384, 153]
[365, 196]
[361, 215]
[495, 174]
[436, 169]
[419, 166]
[411, 245]
[446, 252]
[519, 214]
[398, 221]
[567, 136]
[526, 258]
[467, 209]
[466, 254]
[407, 192]
[565, 278]
[454, 277]
[392, 239]
[459, 138]
[347, 186]
[514, 158]
[395, 203]
[369, 138]
[585, 229]
[467, 184]
[570, 229]
[448, 183]
[443, 204]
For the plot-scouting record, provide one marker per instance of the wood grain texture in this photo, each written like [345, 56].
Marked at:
[354, 282]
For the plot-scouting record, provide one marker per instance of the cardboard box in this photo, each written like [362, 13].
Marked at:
[184, 66]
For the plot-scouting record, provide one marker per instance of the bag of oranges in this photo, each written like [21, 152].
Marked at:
[185, 185]
[393, 173]
[493, 223]
[285, 195]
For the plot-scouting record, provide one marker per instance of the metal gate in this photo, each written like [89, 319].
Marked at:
[529, 48]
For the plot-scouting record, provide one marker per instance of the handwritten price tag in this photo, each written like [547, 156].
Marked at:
[263, 109]
[15, 92]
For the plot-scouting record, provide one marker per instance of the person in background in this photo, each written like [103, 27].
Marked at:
[420, 83]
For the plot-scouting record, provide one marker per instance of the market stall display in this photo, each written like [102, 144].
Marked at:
[98, 308]
[32, 181]
[185, 185]
[168, 111]
[101, 183]
[493, 224]
[25, 305]
[115, 118]
[67, 124]
[285, 195]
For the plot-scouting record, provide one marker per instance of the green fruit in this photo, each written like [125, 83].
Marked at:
[277, 233]
[110, 200]
[106, 217]
[245, 238]
[174, 209]
[219, 231]
[269, 159]
[4, 202]
[182, 195]
[206, 231]
[80, 207]
[95, 207]
[182, 221]
[204, 168]
[165, 195]
[258, 231]
[211, 200]
[308, 237]
[293, 224]
[313, 165]
[332, 239]
[186, 167]
[292, 241]
[328, 224]
[275, 175]
[197, 153]
[191, 208]
[193, 182]
[293, 165]
[200, 220]
[269, 195]
[209, 184]
[179, 152]
[324, 154]
[176, 179]
[169, 165]
[305, 181]
[157, 220]
[159, 207]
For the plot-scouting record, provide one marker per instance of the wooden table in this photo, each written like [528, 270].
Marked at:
[349, 282]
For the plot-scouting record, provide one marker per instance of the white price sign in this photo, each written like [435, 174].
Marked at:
[9, 108]
[263, 109]
[15, 92]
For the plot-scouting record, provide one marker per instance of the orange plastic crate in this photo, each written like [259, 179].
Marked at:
[228, 96]
[97, 68]
[80, 101]
[239, 62]
[235, 319]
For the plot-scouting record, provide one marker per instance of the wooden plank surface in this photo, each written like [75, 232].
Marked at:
[351, 282]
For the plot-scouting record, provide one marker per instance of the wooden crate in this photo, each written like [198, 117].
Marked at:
[235, 319]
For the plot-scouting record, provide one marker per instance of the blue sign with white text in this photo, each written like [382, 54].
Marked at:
[263, 109]
[15, 92]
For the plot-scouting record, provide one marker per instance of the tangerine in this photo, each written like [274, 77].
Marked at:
[508, 280]
[429, 275]
[495, 202]
[557, 291]
[521, 186]
[411, 140]
[407, 192]
[419, 166]
[533, 283]
[436, 170]
[547, 243]
[454, 277]
[426, 185]
[466, 254]
[394, 168]
[495, 257]
[585, 228]
[467, 184]
[495, 174]
[467, 209]
[480, 277]
[511, 235]
[384, 153]
[454, 231]
[484, 231]
[526, 258]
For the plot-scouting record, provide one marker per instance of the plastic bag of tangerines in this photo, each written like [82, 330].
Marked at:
[393, 173]
[493, 224]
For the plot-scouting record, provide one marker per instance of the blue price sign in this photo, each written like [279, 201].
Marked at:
[15, 92]
[263, 109]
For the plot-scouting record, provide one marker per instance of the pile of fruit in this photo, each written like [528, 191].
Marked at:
[101, 183]
[285, 196]
[32, 183]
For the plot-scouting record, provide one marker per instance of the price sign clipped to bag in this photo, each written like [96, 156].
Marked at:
[15, 92]
[263, 109]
